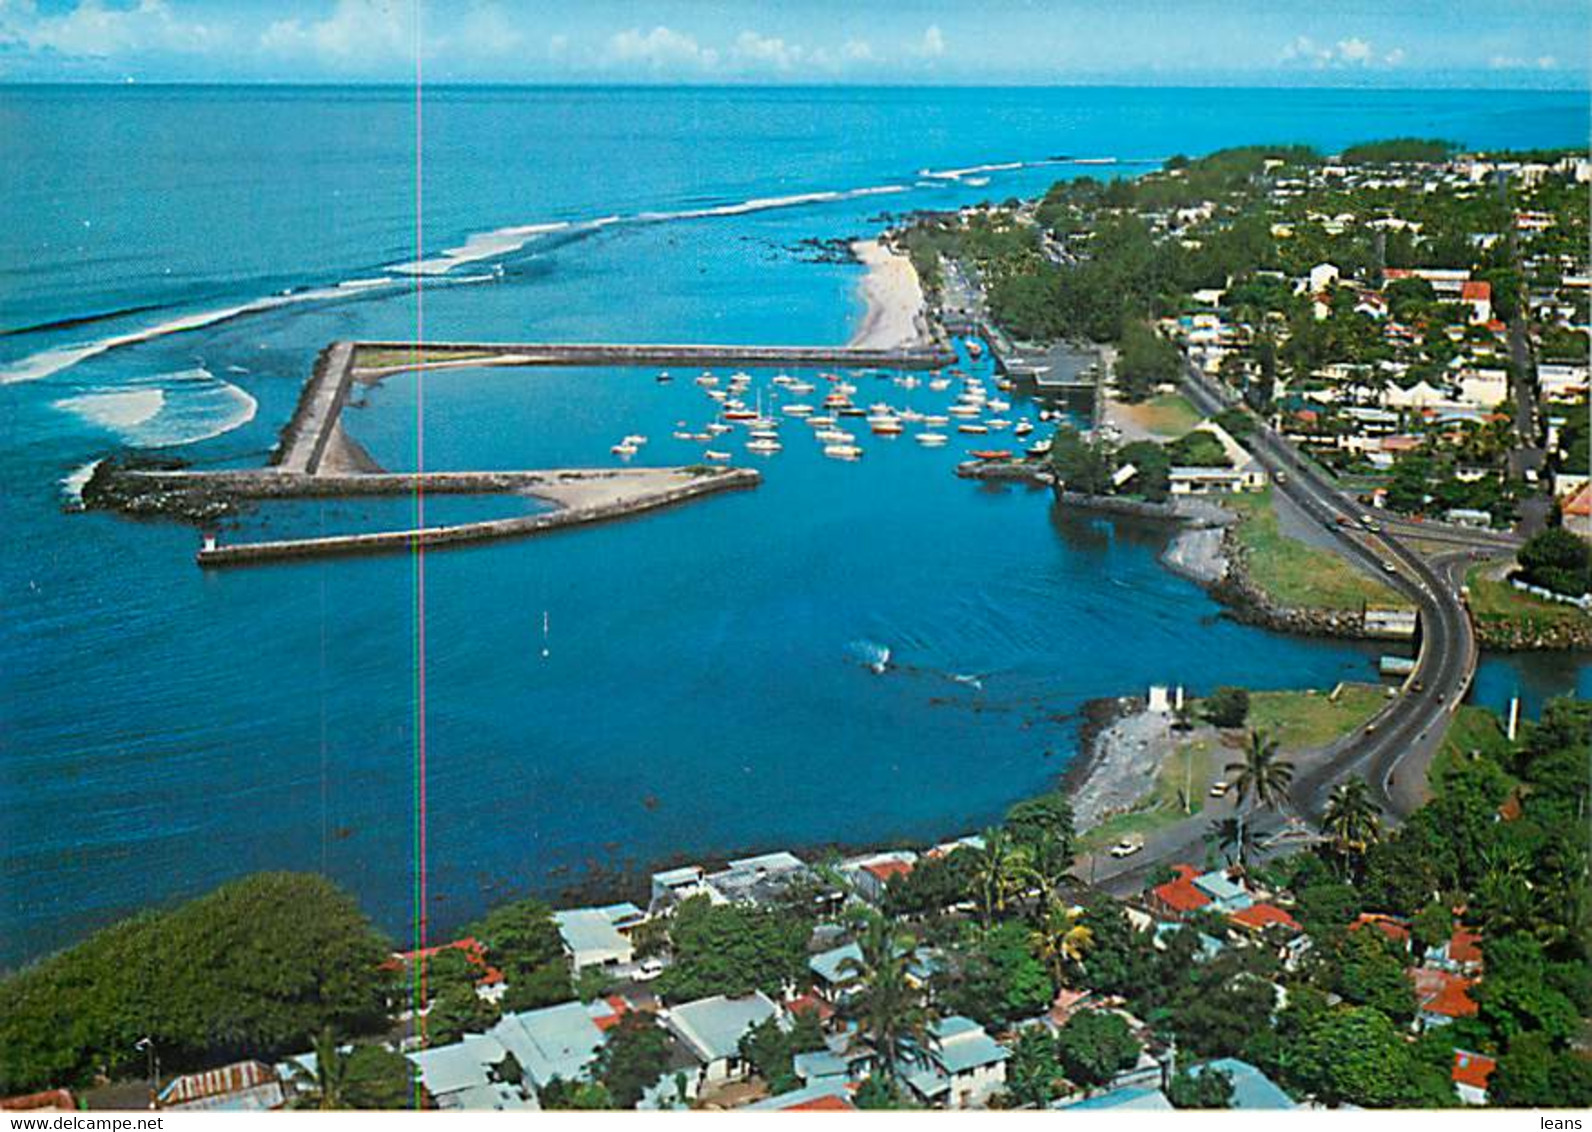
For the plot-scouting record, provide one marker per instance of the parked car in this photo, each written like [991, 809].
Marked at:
[1220, 788]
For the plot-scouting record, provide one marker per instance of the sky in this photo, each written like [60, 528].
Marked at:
[1373, 43]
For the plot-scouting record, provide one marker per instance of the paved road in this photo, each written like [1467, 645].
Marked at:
[1394, 750]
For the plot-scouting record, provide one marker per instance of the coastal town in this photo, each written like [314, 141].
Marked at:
[1355, 386]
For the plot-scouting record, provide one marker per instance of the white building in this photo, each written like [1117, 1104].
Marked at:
[599, 937]
[958, 1066]
[712, 1029]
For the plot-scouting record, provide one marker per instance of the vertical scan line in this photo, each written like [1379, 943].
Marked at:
[418, 995]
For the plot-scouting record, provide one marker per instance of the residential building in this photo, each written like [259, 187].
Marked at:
[712, 1029]
[598, 937]
[1179, 897]
[957, 1066]
[1470, 1075]
[1131, 1098]
[244, 1086]
[1441, 997]
[555, 1041]
[1252, 1089]
[822, 1096]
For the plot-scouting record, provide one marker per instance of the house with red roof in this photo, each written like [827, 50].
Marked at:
[1576, 509]
[1459, 954]
[1393, 928]
[1470, 1074]
[1179, 896]
[1477, 295]
[872, 874]
[1259, 919]
[1442, 996]
[51, 1100]
[489, 983]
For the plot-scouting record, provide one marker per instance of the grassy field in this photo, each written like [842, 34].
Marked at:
[1168, 415]
[1312, 719]
[1474, 729]
[380, 357]
[1189, 769]
[1495, 603]
[1298, 575]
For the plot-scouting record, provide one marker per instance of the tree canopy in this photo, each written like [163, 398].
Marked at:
[254, 968]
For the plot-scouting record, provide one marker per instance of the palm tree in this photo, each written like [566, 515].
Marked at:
[1002, 873]
[885, 1004]
[1352, 818]
[1235, 840]
[1261, 778]
[323, 1089]
[1061, 939]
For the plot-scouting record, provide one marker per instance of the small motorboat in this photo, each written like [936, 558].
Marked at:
[842, 451]
[663, 376]
[972, 429]
[931, 439]
[798, 410]
[763, 444]
[716, 456]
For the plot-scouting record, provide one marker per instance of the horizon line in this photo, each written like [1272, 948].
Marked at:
[595, 84]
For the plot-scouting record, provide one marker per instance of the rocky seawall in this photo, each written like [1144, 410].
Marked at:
[1514, 636]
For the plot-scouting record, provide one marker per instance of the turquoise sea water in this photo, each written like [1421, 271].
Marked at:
[706, 686]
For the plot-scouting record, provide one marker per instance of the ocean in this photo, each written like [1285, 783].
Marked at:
[173, 258]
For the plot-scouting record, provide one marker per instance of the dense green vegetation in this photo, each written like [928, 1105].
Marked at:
[255, 968]
[733, 950]
[1557, 560]
[1426, 150]
[524, 943]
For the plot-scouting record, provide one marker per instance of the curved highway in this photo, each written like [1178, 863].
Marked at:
[1394, 749]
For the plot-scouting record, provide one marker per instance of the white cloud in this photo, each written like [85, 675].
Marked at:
[1515, 63]
[1354, 50]
[661, 48]
[1349, 52]
[97, 29]
[369, 31]
[857, 51]
[767, 51]
[932, 45]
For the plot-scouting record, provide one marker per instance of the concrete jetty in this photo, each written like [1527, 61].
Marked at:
[424, 354]
[315, 458]
[303, 441]
[583, 497]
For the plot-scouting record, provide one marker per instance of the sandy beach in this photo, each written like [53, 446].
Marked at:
[894, 297]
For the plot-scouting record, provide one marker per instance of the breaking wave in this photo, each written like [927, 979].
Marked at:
[166, 411]
[476, 247]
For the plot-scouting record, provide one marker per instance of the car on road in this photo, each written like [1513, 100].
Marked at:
[1281, 476]
[1128, 846]
[1219, 788]
[1390, 568]
[1374, 528]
